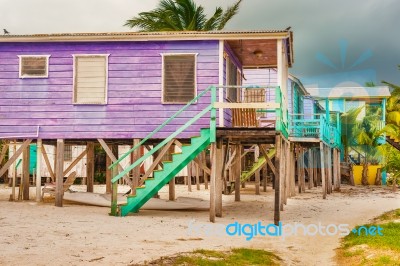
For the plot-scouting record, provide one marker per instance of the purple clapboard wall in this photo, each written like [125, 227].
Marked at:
[134, 106]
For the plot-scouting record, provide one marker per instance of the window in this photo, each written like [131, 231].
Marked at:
[90, 79]
[68, 153]
[33, 66]
[179, 78]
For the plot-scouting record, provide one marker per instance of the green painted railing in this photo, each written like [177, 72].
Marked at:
[209, 108]
[316, 127]
[282, 117]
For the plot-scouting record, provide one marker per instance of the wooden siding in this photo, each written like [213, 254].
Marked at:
[133, 106]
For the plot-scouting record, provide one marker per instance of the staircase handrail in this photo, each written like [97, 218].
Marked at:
[210, 107]
[210, 88]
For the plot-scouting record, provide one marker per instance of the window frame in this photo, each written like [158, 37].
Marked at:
[74, 76]
[46, 75]
[163, 55]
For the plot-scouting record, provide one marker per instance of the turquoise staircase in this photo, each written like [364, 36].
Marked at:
[170, 169]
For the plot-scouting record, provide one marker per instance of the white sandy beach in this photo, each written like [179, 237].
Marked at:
[42, 234]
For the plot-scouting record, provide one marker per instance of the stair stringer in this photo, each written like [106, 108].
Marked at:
[162, 177]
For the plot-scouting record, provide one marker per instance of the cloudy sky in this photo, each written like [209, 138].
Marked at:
[335, 42]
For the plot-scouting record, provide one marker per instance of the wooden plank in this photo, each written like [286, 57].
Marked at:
[48, 165]
[339, 176]
[322, 152]
[156, 161]
[237, 171]
[59, 167]
[257, 173]
[90, 166]
[111, 154]
[287, 169]
[329, 168]
[213, 182]
[219, 154]
[135, 172]
[171, 189]
[108, 171]
[282, 171]
[197, 177]
[15, 156]
[265, 176]
[277, 202]
[25, 173]
[75, 162]
[269, 162]
[189, 178]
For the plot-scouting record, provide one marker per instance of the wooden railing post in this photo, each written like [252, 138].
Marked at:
[114, 194]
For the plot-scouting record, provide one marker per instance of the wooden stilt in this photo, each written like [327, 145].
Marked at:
[292, 178]
[38, 170]
[257, 173]
[283, 174]
[114, 192]
[277, 203]
[135, 155]
[189, 179]
[25, 173]
[322, 151]
[213, 181]
[204, 161]
[310, 169]
[197, 168]
[90, 167]
[59, 169]
[218, 184]
[171, 189]
[108, 171]
[14, 172]
[329, 168]
[237, 171]
[265, 177]
[299, 180]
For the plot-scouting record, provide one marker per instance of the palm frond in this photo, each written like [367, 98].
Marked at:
[228, 14]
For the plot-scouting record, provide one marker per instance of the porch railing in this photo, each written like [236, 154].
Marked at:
[315, 127]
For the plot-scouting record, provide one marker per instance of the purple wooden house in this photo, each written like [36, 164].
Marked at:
[116, 88]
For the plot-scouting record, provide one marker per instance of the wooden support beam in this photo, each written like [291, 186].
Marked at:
[156, 161]
[135, 172]
[218, 182]
[329, 169]
[38, 170]
[112, 153]
[114, 193]
[48, 165]
[287, 170]
[213, 182]
[206, 173]
[25, 173]
[277, 203]
[75, 162]
[310, 169]
[339, 176]
[171, 189]
[265, 176]
[292, 177]
[269, 162]
[257, 173]
[197, 168]
[90, 166]
[238, 171]
[59, 172]
[189, 177]
[322, 152]
[108, 171]
[283, 173]
[15, 156]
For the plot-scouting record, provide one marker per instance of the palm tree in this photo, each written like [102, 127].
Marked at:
[348, 122]
[393, 111]
[182, 15]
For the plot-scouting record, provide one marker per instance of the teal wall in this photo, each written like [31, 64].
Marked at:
[32, 158]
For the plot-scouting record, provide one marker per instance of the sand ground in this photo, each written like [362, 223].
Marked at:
[42, 234]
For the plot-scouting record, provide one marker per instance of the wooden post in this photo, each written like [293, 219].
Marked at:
[25, 173]
[287, 170]
[171, 189]
[38, 170]
[329, 168]
[277, 204]
[59, 169]
[197, 177]
[135, 155]
[282, 174]
[322, 151]
[212, 181]
[257, 173]
[310, 169]
[108, 171]
[218, 181]
[114, 193]
[90, 167]
[237, 171]
[189, 178]
[14, 172]
[204, 161]
[265, 177]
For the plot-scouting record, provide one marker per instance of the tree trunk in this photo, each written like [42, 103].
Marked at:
[378, 178]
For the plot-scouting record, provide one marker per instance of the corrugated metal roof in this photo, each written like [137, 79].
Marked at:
[171, 34]
[350, 92]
